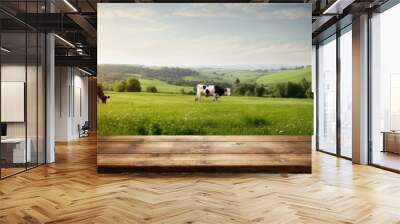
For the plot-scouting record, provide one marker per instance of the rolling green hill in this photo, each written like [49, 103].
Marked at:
[224, 76]
[285, 76]
[174, 80]
[163, 87]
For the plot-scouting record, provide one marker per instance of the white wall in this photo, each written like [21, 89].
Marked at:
[12, 73]
[71, 102]
[62, 82]
[33, 126]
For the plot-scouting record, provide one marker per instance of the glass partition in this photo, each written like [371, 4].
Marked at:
[346, 93]
[327, 95]
[41, 97]
[22, 107]
[31, 97]
[385, 89]
[13, 117]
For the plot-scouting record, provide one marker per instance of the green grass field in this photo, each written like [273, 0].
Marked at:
[285, 76]
[178, 114]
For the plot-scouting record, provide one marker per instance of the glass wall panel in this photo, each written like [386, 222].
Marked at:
[32, 87]
[31, 98]
[22, 88]
[41, 98]
[327, 95]
[13, 117]
[346, 93]
[385, 89]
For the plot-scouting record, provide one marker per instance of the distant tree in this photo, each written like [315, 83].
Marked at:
[309, 93]
[294, 90]
[260, 90]
[280, 90]
[183, 91]
[306, 85]
[237, 81]
[249, 92]
[120, 86]
[244, 89]
[107, 86]
[133, 85]
[151, 89]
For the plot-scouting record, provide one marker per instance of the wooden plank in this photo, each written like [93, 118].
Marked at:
[199, 160]
[208, 138]
[204, 147]
[201, 153]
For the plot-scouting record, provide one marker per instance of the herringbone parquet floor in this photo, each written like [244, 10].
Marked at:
[71, 191]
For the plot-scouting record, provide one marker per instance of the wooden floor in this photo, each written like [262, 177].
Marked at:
[5, 172]
[205, 153]
[71, 191]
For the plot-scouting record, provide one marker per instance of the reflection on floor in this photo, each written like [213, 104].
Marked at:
[387, 159]
[11, 169]
[71, 191]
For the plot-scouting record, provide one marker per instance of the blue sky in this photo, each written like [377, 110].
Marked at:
[204, 34]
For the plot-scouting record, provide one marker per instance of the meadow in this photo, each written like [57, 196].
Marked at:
[259, 77]
[178, 114]
[285, 76]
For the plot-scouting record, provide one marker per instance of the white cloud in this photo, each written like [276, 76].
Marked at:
[215, 10]
[253, 10]
[292, 13]
[140, 20]
[147, 35]
[203, 50]
[140, 13]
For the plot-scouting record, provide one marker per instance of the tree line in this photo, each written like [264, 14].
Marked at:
[117, 72]
[289, 89]
[130, 84]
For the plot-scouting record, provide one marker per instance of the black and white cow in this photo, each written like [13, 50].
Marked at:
[211, 90]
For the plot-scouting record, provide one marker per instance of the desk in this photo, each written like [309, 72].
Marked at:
[391, 141]
[17, 150]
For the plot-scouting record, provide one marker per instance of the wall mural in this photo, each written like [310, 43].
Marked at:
[204, 69]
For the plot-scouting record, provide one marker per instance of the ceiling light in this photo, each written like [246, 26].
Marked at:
[64, 40]
[70, 5]
[337, 7]
[333, 6]
[5, 50]
[84, 71]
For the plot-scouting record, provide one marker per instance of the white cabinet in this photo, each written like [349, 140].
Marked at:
[19, 154]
